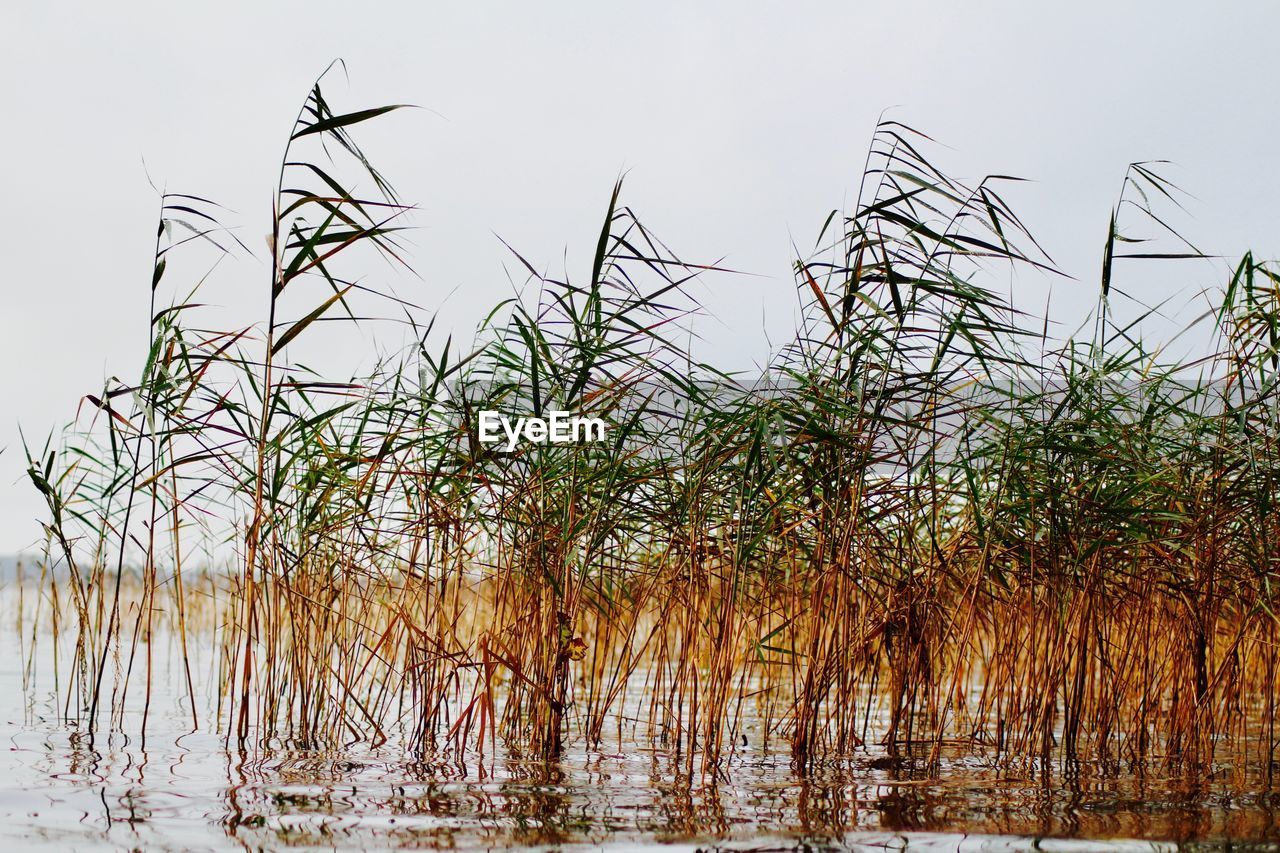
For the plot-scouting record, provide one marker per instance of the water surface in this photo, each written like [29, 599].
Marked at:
[185, 790]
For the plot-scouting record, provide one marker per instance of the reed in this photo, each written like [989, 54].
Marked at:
[924, 528]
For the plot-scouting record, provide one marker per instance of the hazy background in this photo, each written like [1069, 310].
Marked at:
[740, 126]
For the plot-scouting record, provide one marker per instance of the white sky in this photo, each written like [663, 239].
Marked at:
[740, 125]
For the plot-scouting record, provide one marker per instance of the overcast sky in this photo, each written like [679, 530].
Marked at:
[739, 125]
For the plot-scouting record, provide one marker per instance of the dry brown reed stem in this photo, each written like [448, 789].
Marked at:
[1112, 673]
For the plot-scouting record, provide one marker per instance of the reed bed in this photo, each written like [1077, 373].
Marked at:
[927, 526]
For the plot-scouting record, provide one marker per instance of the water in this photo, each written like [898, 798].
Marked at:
[187, 793]
[184, 790]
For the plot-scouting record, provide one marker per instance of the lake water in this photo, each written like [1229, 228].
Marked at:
[183, 790]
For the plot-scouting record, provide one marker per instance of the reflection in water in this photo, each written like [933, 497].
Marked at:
[188, 792]
[184, 790]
